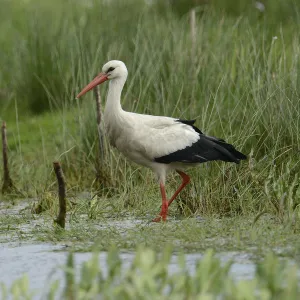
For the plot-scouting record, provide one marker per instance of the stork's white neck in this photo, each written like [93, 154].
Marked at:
[113, 102]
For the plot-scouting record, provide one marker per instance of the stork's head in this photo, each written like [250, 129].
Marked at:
[111, 70]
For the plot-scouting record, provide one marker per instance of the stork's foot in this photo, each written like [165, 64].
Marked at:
[163, 214]
[160, 219]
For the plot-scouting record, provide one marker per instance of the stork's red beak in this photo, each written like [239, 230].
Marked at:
[101, 77]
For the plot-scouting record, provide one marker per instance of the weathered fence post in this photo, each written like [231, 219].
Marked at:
[99, 119]
[193, 74]
[61, 218]
[101, 178]
[193, 33]
[7, 182]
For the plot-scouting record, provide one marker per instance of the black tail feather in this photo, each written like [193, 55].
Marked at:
[207, 148]
[227, 151]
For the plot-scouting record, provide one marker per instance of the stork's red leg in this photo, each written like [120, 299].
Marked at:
[164, 205]
[185, 181]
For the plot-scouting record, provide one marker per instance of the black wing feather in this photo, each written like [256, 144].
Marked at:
[207, 148]
[191, 123]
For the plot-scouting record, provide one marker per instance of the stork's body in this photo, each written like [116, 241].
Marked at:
[160, 143]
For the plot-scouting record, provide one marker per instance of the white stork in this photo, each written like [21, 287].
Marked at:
[162, 144]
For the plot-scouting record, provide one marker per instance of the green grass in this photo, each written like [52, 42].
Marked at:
[239, 78]
[241, 82]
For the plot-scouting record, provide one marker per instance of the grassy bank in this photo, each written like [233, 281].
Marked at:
[239, 78]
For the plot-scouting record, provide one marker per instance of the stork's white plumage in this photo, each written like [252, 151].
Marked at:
[160, 143]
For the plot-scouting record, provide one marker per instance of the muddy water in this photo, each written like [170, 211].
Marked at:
[41, 261]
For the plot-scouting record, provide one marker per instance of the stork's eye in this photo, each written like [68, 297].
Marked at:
[110, 69]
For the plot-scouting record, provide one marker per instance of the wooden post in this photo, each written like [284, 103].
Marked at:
[99, 119]
[101, 178]
[61, 218]
[7, 182]
[193, 33]
[193, 52]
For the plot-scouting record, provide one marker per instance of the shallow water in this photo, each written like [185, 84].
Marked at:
[41, 261]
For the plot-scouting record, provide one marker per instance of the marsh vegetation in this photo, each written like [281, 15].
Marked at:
[237, 75]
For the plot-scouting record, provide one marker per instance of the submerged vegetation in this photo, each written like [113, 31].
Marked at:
[235, 71]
